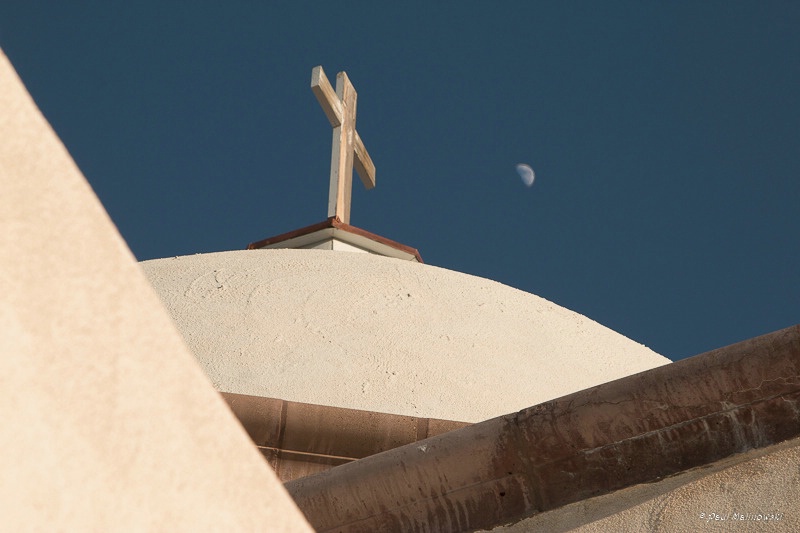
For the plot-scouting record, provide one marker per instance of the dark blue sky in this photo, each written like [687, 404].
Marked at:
[664, 136]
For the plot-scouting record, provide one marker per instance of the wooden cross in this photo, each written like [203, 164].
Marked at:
[348, 148]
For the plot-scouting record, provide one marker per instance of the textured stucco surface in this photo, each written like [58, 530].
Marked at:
[733, 495]
[108, 423]
[380, 334]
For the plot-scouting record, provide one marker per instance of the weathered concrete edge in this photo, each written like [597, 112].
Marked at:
[637, 429]
[299, 438]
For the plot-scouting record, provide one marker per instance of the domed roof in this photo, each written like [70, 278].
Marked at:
[367, 332]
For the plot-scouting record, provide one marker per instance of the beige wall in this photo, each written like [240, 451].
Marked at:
[107, 421]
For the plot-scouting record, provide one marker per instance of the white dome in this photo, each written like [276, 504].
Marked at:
[368, 332]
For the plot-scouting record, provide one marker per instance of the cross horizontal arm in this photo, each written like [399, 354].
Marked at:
[363, 163]
[326, 97]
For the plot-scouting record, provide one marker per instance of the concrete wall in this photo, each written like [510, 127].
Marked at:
[108, 423]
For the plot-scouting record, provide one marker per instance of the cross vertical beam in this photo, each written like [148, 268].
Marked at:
[348, 149]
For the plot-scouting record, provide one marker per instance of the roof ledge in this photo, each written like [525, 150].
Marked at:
[333, 234]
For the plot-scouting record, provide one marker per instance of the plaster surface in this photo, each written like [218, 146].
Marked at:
[380, 334]
[108, 423]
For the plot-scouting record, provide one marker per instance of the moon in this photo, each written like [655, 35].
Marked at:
[526, 173]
